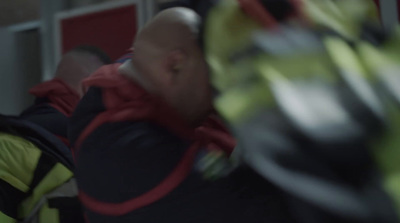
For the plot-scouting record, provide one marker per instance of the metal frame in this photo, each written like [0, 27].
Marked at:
[144, 11]
[151, 7]
[20, 27]
[48, 8]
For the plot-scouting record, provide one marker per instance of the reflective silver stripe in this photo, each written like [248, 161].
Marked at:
[315, 109]
[68, 189]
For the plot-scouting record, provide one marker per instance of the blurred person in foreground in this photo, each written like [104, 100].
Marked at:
[142, 128]
[36, 167]
[57, 98]
[310, 90]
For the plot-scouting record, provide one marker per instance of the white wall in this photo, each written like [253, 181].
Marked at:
[9, 82]
[19, 69]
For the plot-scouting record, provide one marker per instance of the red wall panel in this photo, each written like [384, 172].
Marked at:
[112, 30]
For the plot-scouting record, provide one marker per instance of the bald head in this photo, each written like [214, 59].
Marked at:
[172, 31]
[171, 28]
[168, 62]
[75, 66]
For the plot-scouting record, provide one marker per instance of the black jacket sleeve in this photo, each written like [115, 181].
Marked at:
[48, 117]
[133, 158]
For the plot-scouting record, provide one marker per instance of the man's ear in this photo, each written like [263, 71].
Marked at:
[174, 63]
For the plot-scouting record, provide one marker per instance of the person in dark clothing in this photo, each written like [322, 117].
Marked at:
[270, 61]
[37, 181]
[142, 127]
[57, 98]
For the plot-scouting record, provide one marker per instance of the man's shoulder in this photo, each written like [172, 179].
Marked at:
[48, 117]
[25, 131]
[137, 134]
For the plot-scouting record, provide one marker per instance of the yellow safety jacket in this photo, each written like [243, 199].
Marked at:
[255, 69]
[36, 179]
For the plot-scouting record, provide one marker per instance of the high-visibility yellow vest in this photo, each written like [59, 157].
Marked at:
[246, 61]
[36, 179]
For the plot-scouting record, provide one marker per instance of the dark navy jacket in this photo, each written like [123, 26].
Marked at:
[124, 170]
[55, 102]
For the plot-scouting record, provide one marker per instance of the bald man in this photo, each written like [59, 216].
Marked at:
[56, 99]
[178, 72]
[143, 125]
